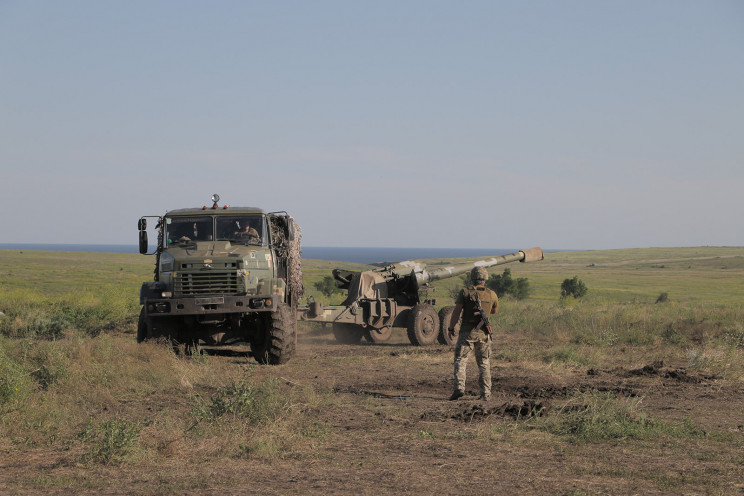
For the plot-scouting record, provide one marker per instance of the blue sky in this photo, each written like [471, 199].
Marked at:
[573, 124]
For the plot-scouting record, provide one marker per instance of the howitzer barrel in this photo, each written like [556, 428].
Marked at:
[423, 276]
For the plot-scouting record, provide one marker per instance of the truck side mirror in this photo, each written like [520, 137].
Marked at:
[142, 224]
[290, 230]
[143, 242]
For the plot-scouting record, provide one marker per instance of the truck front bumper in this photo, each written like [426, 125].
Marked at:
[210, 305]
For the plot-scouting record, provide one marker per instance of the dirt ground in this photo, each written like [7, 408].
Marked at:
[391, 430]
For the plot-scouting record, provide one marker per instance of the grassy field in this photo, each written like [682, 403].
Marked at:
[613, 393]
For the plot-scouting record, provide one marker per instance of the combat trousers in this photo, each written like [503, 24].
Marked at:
[480, 343]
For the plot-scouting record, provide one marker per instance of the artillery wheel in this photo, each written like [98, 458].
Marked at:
[445, 315]
[373, 335]
[347, 333]
[423, 325]
[275, 344]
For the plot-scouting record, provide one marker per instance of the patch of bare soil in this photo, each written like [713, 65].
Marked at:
[391, 430]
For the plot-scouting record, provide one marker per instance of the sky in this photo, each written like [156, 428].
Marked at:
[577, 124]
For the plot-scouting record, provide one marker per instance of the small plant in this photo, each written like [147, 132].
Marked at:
[257, 404]
[663, 298]
[424, 434]
[111, 441]
[573, 287]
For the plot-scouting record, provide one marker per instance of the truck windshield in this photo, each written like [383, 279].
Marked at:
[185, 230]
[244, 229]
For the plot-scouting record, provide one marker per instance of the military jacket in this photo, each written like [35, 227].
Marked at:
[470, 315]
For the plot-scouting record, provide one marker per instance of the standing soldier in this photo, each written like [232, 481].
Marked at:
[475, 333]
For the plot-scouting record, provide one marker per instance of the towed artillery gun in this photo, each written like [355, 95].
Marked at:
[223, 275]
[381, 299]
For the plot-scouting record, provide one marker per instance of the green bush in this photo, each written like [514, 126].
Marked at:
[504, 284]
[327, 286]
[573, 287]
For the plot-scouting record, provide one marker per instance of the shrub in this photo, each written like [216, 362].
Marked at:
[111, 441]
[327, 286]
[573, 287]
[505, 284]
[663, 298]
[256, 404]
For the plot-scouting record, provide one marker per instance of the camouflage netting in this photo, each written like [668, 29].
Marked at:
[159, 250]
[294, 268]
[291, 251]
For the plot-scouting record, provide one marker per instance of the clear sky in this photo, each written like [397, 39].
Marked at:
[576, 124]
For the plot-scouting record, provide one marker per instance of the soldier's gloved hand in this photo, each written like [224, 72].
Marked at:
[451, 332]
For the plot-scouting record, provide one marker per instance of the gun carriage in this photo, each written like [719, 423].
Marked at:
[378, 300]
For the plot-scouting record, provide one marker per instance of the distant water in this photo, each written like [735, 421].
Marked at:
[356, 254]
[70, 247]
[381, 255]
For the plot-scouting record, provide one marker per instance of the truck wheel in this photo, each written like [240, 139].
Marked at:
[378, 335]
[276, 343]
[423, 325]
[445, 315]
[143, 327]
[163, 327]
[347, 333]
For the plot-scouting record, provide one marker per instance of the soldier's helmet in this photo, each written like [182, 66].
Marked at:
[478, 275]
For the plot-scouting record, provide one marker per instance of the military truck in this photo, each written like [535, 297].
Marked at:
[378, 300]
[223, 275]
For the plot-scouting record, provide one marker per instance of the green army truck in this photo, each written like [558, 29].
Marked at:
[223, 276]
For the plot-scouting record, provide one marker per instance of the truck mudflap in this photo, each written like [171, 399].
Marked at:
[209, 305]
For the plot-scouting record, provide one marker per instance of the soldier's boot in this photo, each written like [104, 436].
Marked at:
[456, 395]
[485, 397]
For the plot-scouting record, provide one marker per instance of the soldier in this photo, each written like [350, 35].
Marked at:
[248, 233]
[474, 334]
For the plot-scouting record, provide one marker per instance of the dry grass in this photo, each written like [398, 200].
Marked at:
[76, 389]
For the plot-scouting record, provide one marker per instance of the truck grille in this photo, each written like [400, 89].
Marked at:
[201, 283]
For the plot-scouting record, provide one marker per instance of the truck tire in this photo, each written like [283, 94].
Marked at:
[445, 315]
[164, 328]
[347, 333]
[373, 335]
[423, 325]
[143, 327]
[276, 343]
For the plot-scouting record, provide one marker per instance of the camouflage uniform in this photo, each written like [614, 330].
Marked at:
[248, 233]
[471, 339]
